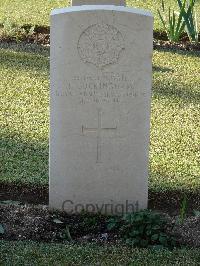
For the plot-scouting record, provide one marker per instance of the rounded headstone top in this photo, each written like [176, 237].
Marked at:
[98, 2]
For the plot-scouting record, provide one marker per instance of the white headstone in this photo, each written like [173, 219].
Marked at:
[101, 71]
[98, 2]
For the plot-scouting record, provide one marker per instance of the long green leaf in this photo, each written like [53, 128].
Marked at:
[163, 5]
[180, 24]
[173, 22]
[162, 20]
[174, 26]
[196, 26]
[189, 18]
[2, 231]
[171, 36]
[181, 30]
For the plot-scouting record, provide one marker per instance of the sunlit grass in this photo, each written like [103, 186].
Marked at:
[36, 12]
[175, 121]
[24, 117]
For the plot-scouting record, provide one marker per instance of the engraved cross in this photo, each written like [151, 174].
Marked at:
[98, 131]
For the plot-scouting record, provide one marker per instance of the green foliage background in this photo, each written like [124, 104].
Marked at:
[36, 12]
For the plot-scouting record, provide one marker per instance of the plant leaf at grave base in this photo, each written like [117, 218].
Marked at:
[57, 221]
[2, 231]
[10, 202]
[197, 213]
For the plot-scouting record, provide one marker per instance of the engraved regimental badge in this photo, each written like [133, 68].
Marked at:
[100, 45]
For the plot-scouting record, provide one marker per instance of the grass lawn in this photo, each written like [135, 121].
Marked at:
[36, 12]
[30, 253]
[24, 117]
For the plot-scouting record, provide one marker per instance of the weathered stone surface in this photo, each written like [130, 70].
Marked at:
[98, 2]
[101, 75]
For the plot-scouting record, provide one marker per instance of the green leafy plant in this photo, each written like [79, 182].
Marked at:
[2, 231]
[196, 213]
[88, 223]
[15, 32]
[57, 221]
[113, 223]
[183, 209]
[143, 228]
[10, 202]
[66, 234]
[174, 25]
[12, 31]
[190, 18]
[177, 22]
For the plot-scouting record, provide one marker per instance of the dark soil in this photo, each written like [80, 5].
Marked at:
[24, 193]
[187, 232]
[161, 41]
[41, 35]
[28, 222]
[22, 220]
[183, 45]
[37, 223]
[168, 201]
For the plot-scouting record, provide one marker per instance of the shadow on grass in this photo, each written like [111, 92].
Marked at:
[177, 92]
[162, 69]
[24, 177]
[179, 51]
[26, 47]
[18, 59]
[23, 161]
